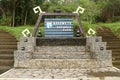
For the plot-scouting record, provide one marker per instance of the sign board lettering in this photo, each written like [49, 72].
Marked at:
[58, 27]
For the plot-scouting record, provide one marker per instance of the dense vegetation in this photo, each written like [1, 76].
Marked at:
[19, 12]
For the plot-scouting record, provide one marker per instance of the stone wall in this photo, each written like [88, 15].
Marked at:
[99, 52]
[22, 56]
[28, 56]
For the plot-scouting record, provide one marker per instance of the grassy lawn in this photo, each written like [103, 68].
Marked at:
[16, 31]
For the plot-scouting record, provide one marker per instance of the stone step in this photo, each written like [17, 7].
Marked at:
[8, 40]
[116, 62]
[114, 50]
[111, 39]
[6, 51]
[115, 58]
[5, 33]
[113, 44]
[115, 54]
[60, 53]
[113, 47]
[117, 66]
[104, 33]
[62, 56]
[6, 36]
[6, 62]
[5, 68]
[103, 29]
[60, 48]
[10, 37]
[107, 35]
[8, 43]
[62, 63]
[6, 56]
[8, 46]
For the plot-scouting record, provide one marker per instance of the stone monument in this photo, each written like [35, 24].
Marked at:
[60, 54]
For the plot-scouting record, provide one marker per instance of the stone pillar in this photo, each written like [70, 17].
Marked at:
[22, 56]
[99, 52]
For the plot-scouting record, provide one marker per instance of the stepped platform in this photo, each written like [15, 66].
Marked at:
[113, 43]
[62, 58]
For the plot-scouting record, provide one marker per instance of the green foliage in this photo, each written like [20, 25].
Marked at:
[115, 27]
[95, 10]
[16, 31]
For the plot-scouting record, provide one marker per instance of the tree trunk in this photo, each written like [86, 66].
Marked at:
[14, 12]
[13, 18]
[3, 13]
[25, 20]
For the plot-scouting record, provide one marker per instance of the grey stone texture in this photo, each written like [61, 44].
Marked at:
[63, 63]
[59, 56]
[57, 74]
[61, 52]
[29, 43]
[22, 56]
[99, 52]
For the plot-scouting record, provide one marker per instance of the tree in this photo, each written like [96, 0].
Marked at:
[111, 9]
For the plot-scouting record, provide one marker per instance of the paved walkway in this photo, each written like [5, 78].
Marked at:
[52, 74]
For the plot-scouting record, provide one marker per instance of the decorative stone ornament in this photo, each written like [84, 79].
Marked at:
[79, 10]
[26, 33]
[78, 33]
[91, 32]
[39, 34]
[38, 10]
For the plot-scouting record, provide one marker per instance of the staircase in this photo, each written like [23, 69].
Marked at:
[7, 46]
[113, 43]
[63, 53]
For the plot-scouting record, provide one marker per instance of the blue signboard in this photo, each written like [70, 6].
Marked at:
[58, 27]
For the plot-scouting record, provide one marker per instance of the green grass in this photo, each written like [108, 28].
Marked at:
[115, 27]
[16, 31]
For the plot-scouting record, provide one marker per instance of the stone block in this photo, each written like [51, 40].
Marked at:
[92, 40]
[63, 64]
[21, 58]
[98, 46]
[104, 63]
[22, 64]
[22, 55]
[29, 40]
[103, 55]
[25, 46]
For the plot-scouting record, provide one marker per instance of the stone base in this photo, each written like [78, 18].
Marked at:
[53, 74]
[63, 64]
